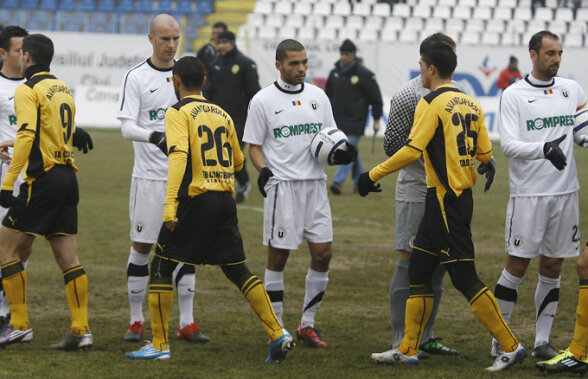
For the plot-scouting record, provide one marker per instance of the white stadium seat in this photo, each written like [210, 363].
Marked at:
[401, 10]
[389, 35]
[303, 9]
[453, 34]
[374, 22]
[322, 8]
[394, 23]
[558, 27]
[408, 36]
[436, 24]
[295, 20]
[368, 35]
[518, 26]
[535, 26]
[564, 14]
[545, 14]
[362, 9]
[442, 12]
[286, 32]
[467, 3]
[522, 13]
[255, 19]
[489, 3]
[511, 39]
[315, 21]
[507, 3]
[582, 14]
[381, 9]
[414, 24]
[306, 34]
[283, 7]
[552, 3]
[482, 13]
[577, 26]
[491, 38]
[263, 7]
[346, 33]
[502, 13]
[474, 26]
[422, 11]
[497, 26]
[327, 34]
[470, 38]
[573, 40]
[268, 32]
[454, 25]
[354, 22]
[335, 21]
[463, 13]
[430, 3]
[342, 8]
[274, 20]
[447, 3]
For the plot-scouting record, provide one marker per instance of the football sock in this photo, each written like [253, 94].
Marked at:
[546, 301]
[580, 340]
[137, 280]
[437, 283]
[316, 283]
[4, 306]
[486, 310]
[257, 297]
[399, 292]
[418, 310]
[185, 280]
[76, 291]
[274, 284]
[161, 295]
[14, 278]
[506, 293]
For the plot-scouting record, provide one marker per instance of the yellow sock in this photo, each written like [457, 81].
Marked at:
[161, 296]
[487, 311]
[418, 310]
[255, 293]
[580, 340]
[14, 280]
[76, 291]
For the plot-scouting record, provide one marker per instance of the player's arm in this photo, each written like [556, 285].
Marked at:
[484, 145]
[251, 80]
[130, 104]
[374, 98]
[400, 119]
[238, 157]
[176, 129]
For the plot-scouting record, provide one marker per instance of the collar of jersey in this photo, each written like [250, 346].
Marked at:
[288, 88]
[538, 83]
[36, 69]
[157, 68]
[7, 78]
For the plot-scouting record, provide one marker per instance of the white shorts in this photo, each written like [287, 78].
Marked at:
[294, 210]
[408, 219]
[146, 209]
[545, 225]
[19, 180]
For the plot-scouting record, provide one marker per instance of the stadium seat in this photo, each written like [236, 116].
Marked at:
[564, 14]
[125, 6]
[428, 3]
[295, 20]
[442, 12]
[381, 9]
[490, 39]
[374, 22]
[496, 26]
[401, 10]
[453, 34]
[489, 3]
[263, 7]
[507, 3]
[322, 8]
[467, 3]
[10, 4]
[394, 23]
[70, 21]
[165, 6]
[535, 26]
[329, 34]
[102, 22]
[454, 25]
[87, 5]
[510, 39]
[474, 25]
[553, 4]
[145, 6]
[29, 4]
[281, 7]
[522, 14]
[435, 25]
[306, 34]
[470, 38]
[314, 21]
[354, 22]
[67, 5]
[184, 6]
[518, 26]
[335, 21]
[342, 8]
[408, 36]
[49, 5]
[582, 14]
[389, 35]
[302, 9]
[346, 33]
[362, 9]
[525, 3]
[368, 35]
[106, 5]
[501, 13]
[196, 20]
[559, 27]
[574, 40]
[577, 26]
[287, 32]
[447, 3]
[204, 7]
[545, 14]
[413, 23]
[274, 20]
[482, 13]
[422, 11]
[462, 13]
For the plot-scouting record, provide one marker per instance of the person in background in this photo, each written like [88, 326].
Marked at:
[209, 51]
[509, 75]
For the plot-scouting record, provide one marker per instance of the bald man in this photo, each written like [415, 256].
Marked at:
[146, 93]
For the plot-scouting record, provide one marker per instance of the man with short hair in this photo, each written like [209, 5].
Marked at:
[536, 123]
[232, 81]
[146, 93]
[209, 51]
[292, 182]
[352, 90]
[200, 217]
[43, 148]
[449, 130]
[509, 75]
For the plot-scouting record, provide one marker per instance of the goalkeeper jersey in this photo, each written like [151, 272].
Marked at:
[533, 112]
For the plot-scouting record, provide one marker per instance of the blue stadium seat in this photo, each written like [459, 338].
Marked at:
[87, 5]
[125, 6]
[10, 4]
[164, 6]
[49, 5]
[102, 22]
[39, 20]
[204, 7]
[134, 23]
[67, 5]
[184, 6]
[106, 5]
[7, 17]
[195, 20]
[145, 6]
[29, 4]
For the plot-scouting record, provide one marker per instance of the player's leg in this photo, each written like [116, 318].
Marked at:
[184, 277]
[137, 280]
[398, 293]
[274, 278]
[546, 302]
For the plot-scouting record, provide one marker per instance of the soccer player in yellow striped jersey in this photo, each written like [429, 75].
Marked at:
[47, 202]
[200, 215]
[449, 129]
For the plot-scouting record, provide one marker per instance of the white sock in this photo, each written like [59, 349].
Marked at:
[4, 306]
[546, 300]
[186, 287]
[316, 283]
[506, 294]
[274, 285]
[137, 284]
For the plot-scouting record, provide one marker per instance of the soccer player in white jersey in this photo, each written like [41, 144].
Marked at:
[147, 92]
[10, 77]
[282, 119]
[536, 123]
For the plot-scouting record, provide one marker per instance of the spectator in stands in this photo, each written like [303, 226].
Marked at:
[509, 75]
[207, 53]
[352, 89]
[232, 81]
[534, 5]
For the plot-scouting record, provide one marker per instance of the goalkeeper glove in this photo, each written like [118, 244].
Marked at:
[262, 179]
[488, 169]
[366, 185]
[341, 156]
[82, 140]
[552, 151]
[6, 198]
[158, 139]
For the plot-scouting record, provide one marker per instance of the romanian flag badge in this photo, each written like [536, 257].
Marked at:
[297, 102]
[169, 79]
[548, 92]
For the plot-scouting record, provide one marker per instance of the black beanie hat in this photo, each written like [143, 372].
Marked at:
[227, 35]
[348, 47]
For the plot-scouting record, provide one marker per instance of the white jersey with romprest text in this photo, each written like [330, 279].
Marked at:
[283, 119]
[8, 122]
[533, 112]
[146, 93]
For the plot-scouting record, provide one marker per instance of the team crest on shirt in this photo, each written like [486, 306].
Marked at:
[235, 69]
[354, 79]
[565, 93]
[517, 241]
[281, 233]
[139, 228]
[314, 105]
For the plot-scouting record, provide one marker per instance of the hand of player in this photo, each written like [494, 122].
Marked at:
[488, 169]
[82, 140]
[171, 225]
[552, 151]
[6, 198]
[347, 156]
[158, 139]
[366, 185]
[262, 179]
[4, 155]
[376, 126]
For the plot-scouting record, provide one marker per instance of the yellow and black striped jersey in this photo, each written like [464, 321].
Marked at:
[203, 149]
[449, 129]
[45, 112]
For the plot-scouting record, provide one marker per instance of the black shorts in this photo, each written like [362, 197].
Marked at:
[207, 231]
[449, 237]
[47, 206]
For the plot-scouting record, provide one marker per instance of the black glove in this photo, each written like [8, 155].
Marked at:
[158, 139]
[552, 152]
[262, 179]
[488, 169]
[6, 198]
[341, 156]
[82, 140]
[366, 185]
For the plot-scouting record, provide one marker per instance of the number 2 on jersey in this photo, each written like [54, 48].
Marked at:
[465, 122]
[215, 140]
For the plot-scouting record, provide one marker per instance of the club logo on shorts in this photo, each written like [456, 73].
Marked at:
[517, 241]
[411, 241]
[281, 233]
[139, 228]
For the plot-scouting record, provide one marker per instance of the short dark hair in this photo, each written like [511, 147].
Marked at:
[39, 47]
[439, 54]
[512, 59]
[287, 45]
[440, 38]
[537, 39]
[8, 32]
[191, 71]
[219, 25]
